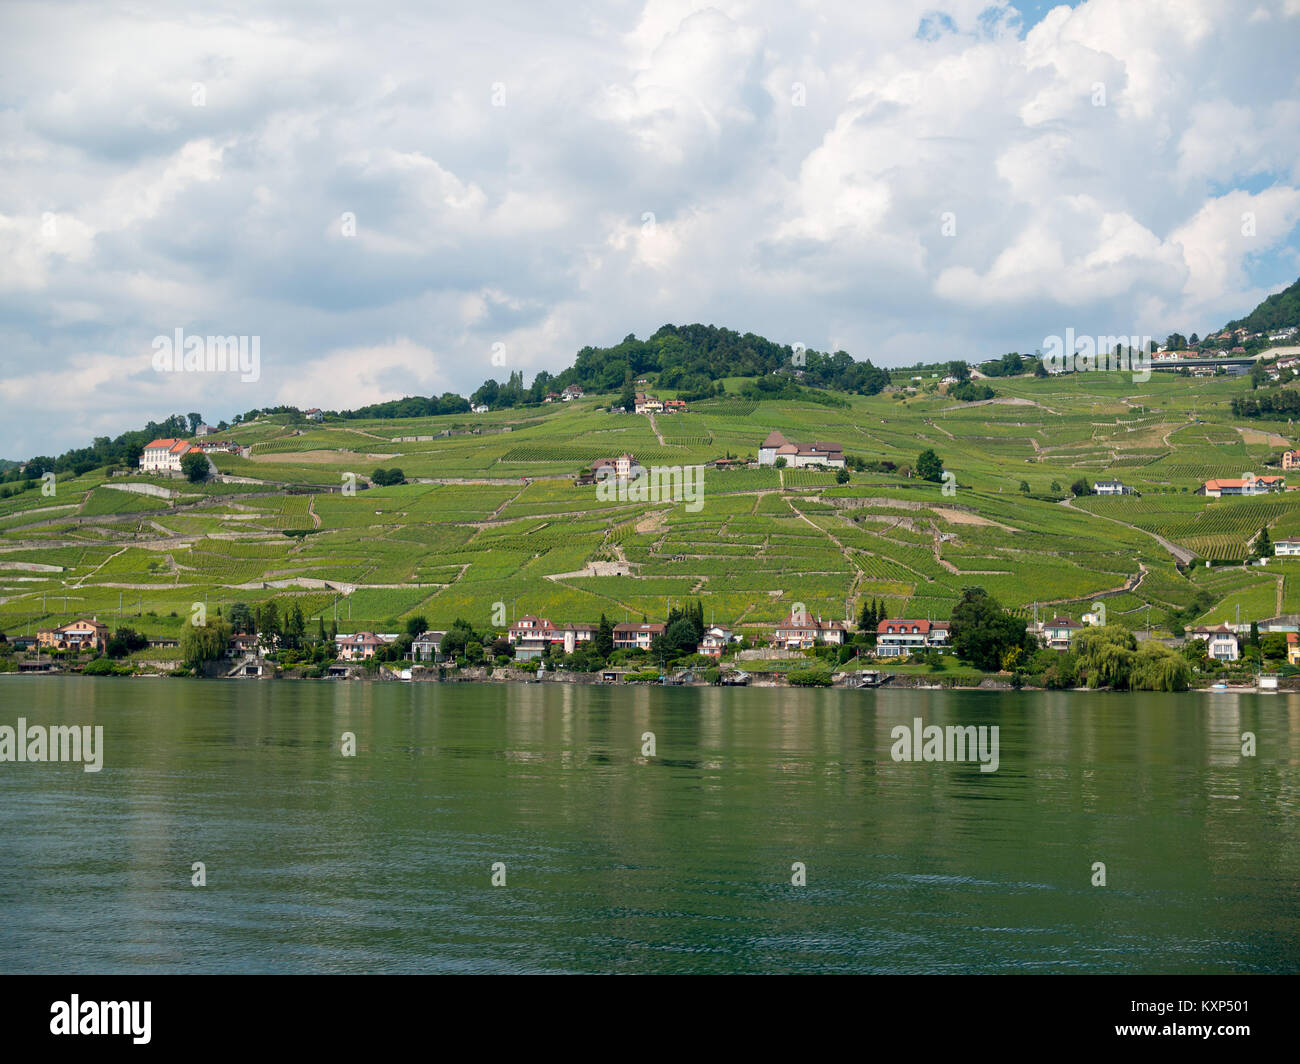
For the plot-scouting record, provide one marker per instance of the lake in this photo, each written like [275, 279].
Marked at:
[617, 862]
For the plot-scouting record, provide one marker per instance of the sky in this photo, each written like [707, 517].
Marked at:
[406, 199]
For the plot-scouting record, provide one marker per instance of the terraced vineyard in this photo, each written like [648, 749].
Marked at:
[491, 516]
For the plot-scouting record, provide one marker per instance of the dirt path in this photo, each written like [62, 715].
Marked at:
[1183, 555]
[311, 512]
[655, 429]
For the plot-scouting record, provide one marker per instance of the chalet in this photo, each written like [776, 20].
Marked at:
[1057, 633]
[799, 631]
[164, 455]
[1216, 489]
[715, 641]
[1221, 642]
[897, 638]
[89, 636]
[636, 636]
[799, 455]
[1283, 547]
[358, 646]
[427, 646]
[314, 414]
[571, 392]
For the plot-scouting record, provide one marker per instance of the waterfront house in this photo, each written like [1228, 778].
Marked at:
[675, 406]
[1057, 633]
[801, 630]
[715, 641]
[1221, 642]
[85, 636]
[896, 638]
[1292, 648]
[164, 455]
[427, 646]
[357, 646]
[636, 636]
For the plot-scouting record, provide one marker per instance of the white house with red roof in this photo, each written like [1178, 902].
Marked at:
[896, 638]
[1216, 489]
[164, 455]
[1221, 641]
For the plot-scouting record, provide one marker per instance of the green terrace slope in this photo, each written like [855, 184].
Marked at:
[491, 514]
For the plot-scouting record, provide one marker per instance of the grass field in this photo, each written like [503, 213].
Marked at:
[492, 520]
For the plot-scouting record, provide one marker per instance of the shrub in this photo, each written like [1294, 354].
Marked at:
[814, 677]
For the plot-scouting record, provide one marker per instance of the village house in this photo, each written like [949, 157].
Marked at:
[357, 646]
[212, 446]
[1111, 487]
[164, 455]
[243, 643]
[1283, 547]
[1221, 487]
[800, 631]
[531, 635]
[799, 455]
[571, 392]
[715, 641]
[427, 646]
[1057, 633]
[1292, 648]
[204, 430]
[624, 467]
[314, 414]
[1290, 459]
[675, 406]
[1221, 641]
[896, 638]
[648, 404]
[636, 636]
[479, 408]
[552, 397]
[84, 636]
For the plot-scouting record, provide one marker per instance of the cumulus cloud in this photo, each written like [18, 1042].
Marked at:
[387, 201]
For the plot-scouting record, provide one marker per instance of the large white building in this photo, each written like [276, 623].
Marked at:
[164, 456]
[798, 455]
[897, 638]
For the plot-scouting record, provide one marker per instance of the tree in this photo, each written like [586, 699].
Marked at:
[1258, 374]
[416, 626]
[127, 640]
[678, 638]
[604, 638]
[780, 463]
[195, 466]
[959, 370]
[240, 617]
[627, 399]
[195, 420]
[204, 642]
[1080, 487]
[982, 631]
[929, 466]
[1024, 487]
[841, 476]
[1056, 487]
[1263, 545]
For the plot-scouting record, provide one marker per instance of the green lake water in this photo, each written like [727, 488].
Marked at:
[614, 862]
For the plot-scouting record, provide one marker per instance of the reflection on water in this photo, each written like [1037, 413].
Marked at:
[617, 862]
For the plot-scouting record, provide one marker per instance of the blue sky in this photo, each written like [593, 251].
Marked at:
[409, 198]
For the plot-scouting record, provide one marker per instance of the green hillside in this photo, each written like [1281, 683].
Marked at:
[491, 514]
